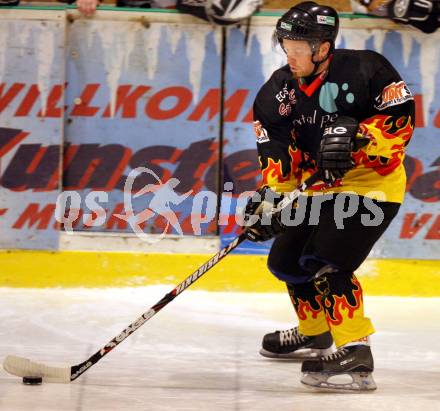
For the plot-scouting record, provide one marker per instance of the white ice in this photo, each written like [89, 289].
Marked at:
[201, 352]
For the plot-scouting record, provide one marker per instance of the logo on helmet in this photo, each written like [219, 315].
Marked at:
[286, 26]
[329, 20]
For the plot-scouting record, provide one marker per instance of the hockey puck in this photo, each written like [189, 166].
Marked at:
[32, 380]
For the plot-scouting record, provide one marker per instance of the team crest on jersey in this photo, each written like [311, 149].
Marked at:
[260, 133]
[393, 95]
[286, 98]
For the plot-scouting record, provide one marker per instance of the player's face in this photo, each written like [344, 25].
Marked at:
[299, 57]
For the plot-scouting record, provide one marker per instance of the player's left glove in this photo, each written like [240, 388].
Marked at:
[260, 221]
[337, 143]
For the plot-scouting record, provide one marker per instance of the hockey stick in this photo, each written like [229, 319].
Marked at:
[23, 367]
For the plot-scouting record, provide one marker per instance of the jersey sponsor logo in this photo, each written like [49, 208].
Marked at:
[285, 92]
[286, 98]
[314, 118]
[285, 109]
[329, 20]
[393, 95]
[260, 133]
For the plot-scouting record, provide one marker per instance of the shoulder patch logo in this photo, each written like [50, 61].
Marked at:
[393, 95]
[260, 133]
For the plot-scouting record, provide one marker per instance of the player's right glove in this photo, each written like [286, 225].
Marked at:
[260, 222]
[337, 143]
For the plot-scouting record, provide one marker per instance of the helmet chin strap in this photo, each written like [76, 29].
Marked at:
[318, 63]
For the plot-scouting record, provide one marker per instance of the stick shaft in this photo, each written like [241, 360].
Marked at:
[79, 369]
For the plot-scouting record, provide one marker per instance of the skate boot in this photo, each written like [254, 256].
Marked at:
[349, 368]
[290, 344]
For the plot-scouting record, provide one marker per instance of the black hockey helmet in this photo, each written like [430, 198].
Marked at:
[308, 21]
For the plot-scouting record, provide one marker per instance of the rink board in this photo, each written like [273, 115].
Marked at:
[235, 273]
[142, 89]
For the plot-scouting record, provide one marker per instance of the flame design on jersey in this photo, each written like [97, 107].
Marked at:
[388, 137]
[273, 172]
[339, 307]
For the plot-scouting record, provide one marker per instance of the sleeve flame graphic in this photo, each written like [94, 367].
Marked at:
[388, 139]
[273, 173]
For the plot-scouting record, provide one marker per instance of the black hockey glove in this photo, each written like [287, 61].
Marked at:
[260, 223]
[337, 143]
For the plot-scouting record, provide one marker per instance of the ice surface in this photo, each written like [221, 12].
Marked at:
[201, 352]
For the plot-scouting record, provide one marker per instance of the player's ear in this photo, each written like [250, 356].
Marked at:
[324, 49]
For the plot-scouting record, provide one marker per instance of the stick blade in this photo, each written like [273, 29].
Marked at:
[22, 367]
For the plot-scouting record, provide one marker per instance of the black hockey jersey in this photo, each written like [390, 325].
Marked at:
[290, 116]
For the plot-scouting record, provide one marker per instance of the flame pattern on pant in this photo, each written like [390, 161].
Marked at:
[309, 309]
[344, 308]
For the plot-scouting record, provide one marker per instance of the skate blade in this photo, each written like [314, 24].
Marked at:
[298, 355]
[348, 382]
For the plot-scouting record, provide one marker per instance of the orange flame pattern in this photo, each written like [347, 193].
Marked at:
[273, 172]
[304, 308]
[338, 308]
[388, 135]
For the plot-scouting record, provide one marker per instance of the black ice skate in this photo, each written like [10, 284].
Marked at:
[290, 344]
[349, 368]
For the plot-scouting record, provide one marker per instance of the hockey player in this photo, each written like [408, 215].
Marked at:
[308, 118]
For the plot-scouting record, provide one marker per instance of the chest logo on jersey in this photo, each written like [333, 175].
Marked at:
[314, 118]
[286, 98]
[260, 133]
[393, 95]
